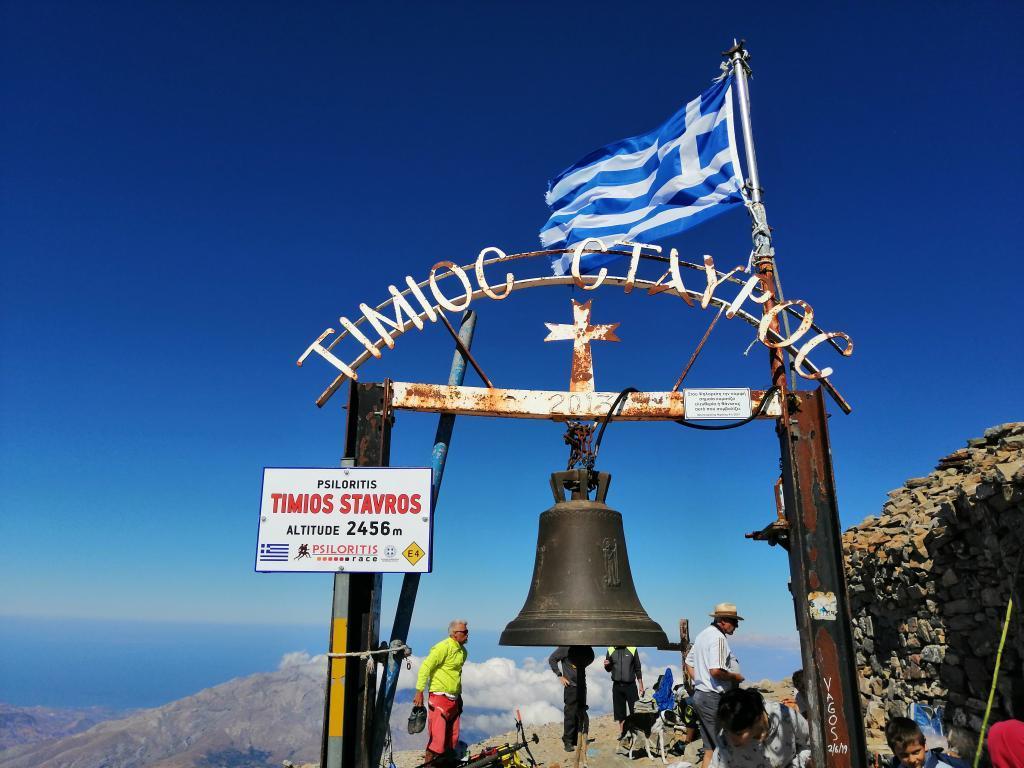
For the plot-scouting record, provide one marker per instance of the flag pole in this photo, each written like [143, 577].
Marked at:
[826, 649]
[764, 254]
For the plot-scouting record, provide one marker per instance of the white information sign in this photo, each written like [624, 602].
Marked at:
[355, 519]
[717, 403]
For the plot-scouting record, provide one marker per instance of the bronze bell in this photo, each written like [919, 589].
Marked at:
[582, 591]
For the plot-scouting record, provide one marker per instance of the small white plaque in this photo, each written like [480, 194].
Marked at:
[717, 403]
[823, 606]
[352, 520]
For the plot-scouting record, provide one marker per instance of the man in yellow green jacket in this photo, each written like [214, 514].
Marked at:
[443, 668]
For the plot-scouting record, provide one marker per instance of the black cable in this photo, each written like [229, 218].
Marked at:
[608, 416]
[765, 400]
[760, 410]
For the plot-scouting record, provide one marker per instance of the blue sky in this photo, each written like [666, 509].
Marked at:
[191, 192]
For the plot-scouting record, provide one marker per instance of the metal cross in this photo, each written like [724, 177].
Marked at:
[581, 378]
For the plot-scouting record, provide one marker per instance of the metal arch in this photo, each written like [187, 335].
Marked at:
[721, 276]
[559, 280]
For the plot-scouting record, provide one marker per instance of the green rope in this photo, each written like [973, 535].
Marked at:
[995, 677]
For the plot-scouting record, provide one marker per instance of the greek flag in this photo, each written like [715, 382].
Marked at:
[650, 186]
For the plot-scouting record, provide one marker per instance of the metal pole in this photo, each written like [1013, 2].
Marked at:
[818, 583]
[738, 57]
[764, 253]
[351, 683]
[411, 581]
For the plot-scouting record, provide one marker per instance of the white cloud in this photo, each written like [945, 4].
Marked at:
[495, 688]
[501, 685]
[301, 659]
[787, 642]
[536, 713]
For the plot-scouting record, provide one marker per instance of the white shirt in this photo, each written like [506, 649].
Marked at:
[711, 651]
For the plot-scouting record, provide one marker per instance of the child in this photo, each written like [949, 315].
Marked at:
[907, 744]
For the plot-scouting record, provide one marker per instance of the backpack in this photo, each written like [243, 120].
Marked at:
[645, 704]
[663, 691]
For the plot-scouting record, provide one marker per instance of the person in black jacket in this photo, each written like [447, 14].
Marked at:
[569, 663]
[627, 683]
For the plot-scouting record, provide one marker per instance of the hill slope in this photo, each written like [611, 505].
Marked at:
[28, 725]
[248, 722]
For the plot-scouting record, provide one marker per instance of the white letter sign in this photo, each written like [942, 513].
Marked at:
[356, 520]
[717, 403]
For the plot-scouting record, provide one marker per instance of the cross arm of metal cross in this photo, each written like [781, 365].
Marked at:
[557, 406]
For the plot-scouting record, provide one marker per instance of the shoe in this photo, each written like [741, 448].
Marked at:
[568, 747]
[417, 719]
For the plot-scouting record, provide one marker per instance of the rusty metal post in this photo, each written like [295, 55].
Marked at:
[684, 648]
[818, 583]
[351, 682]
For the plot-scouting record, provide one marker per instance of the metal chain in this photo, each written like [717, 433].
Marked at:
[579, 437]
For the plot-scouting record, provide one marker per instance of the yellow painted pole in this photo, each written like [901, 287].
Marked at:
[336, 707]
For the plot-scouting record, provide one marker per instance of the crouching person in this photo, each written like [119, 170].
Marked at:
[754, 732]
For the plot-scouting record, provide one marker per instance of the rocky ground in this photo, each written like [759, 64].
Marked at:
[601, 747]
[602, 744]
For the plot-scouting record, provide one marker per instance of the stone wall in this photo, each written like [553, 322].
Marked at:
[929, 580]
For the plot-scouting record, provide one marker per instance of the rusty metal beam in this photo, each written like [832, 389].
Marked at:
[544, 404]
[818, 583]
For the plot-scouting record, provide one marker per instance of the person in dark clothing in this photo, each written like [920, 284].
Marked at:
[627, 682]
[569, 663]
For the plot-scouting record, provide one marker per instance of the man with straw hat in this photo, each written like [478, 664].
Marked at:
[714, 670]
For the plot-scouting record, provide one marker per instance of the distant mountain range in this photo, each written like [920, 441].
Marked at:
[250, 722]
[29, 725]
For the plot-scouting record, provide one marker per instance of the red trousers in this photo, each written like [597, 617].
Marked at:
[442, 722]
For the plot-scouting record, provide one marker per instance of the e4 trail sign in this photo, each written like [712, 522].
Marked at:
[355, 519]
